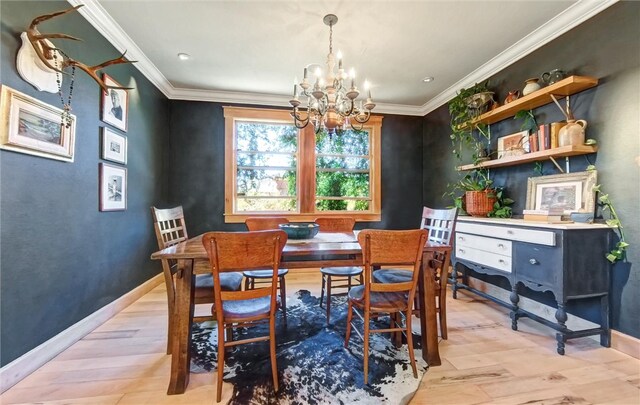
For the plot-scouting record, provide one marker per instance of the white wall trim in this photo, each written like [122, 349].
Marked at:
[563, 22]
[29, 362]
[626, 344]
[579, 12]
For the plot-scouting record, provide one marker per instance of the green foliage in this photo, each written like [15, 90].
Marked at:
[604, 201]
[352, 146]
[501, 207]
[537, 168]
[529, 120]
[464, 133]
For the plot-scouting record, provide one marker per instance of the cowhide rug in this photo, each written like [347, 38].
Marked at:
[313, 365]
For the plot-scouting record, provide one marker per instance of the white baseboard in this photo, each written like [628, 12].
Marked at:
[29, 362]
[625, 344]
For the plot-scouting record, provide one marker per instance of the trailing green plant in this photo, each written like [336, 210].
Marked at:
[606, 205]
[501, 208]
[537, 168]
[529, 122]
[465, 133]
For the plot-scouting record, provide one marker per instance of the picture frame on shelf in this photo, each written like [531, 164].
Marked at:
[113, 187]
[30, 126]
[113, 146]
[115, 104]
[513, 145]
[573, 192]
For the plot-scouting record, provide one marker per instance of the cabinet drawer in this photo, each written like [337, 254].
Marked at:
[491, 245]
[512, 233]
[540, 264]
[481, 257]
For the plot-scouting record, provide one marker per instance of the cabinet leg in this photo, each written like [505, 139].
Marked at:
[514, 298]
[605, 335]
[454, 283]
[561, 317]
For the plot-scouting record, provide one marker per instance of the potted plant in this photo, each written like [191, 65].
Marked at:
[464, 108]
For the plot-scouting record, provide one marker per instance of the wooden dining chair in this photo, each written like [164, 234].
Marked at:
[440, 225]
[253, 277]
[341, 275]
[171, 229]
[382, 248]
[229, 252]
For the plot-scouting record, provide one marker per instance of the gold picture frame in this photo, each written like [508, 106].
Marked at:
[27, 125]
[573, 192]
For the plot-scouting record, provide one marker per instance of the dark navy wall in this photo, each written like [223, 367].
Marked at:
[607, 47]
[62, 259]
[196, 178]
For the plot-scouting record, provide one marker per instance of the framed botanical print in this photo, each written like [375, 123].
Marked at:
[513, 145]
[115, 104]
[113, 187]
[27, 125]
[114, 146]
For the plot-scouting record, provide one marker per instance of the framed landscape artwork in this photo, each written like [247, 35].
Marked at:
[115, 105]
[113, 187]
[28, 125]
[573, 192]
[114, 146]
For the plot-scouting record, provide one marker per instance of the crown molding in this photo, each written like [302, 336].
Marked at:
[98, 17]
[563, 22]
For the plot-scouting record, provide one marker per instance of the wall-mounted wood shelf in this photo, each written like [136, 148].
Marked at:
[563, 151]
[565, 87]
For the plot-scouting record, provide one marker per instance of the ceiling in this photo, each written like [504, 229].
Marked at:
[251, 51]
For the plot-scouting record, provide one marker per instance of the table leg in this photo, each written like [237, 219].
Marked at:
[183, 317]
[428, 324]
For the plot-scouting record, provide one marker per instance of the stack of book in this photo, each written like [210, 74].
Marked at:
[549, 215]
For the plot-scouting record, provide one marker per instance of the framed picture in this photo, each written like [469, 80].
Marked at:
[571, 191]
[115, 104]
[30, 126]
[114, 146]
[113, 187]
[513, 145]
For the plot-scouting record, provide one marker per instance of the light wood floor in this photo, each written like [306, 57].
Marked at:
[484, 362]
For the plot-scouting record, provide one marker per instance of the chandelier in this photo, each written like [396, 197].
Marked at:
[331, 105]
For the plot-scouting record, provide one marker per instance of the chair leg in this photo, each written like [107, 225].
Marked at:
[170, 328]
[348, 334]
[328, 298]
[442, 311]
[272, 350]
[365, 348]
[412, 357]
[283, 299]
[322, 290]
[396, 337]
[220, 370]
[247, 280]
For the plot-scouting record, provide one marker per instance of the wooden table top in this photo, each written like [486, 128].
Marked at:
[324, 243]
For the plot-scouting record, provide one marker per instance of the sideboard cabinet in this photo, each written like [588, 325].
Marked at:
[566, 259]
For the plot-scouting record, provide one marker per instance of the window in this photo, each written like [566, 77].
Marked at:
[273, 168]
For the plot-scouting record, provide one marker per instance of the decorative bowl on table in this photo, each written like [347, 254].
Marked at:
[300, 230]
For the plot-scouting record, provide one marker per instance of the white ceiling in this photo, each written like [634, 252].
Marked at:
[250, 51]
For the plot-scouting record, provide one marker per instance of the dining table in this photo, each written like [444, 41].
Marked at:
[324, 250]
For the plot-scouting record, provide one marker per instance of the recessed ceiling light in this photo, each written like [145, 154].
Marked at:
[184, 56]
[428, 79]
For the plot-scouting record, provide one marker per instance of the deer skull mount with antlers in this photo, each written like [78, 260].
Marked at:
[45, 62]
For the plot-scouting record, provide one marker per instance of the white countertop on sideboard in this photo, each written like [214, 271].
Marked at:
[536, 224]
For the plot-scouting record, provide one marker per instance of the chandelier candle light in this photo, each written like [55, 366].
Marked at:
[330, 104]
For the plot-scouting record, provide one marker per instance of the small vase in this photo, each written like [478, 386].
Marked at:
[531, 85]
[572, 133]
